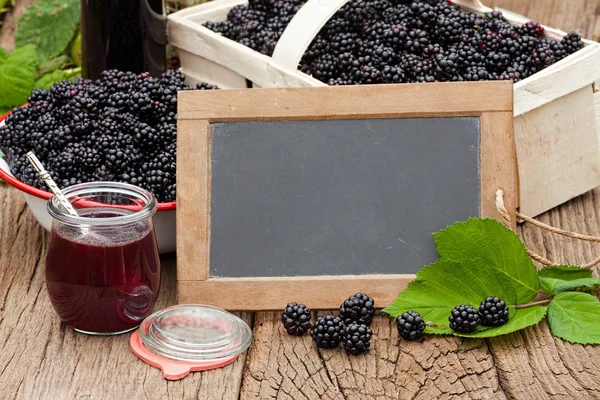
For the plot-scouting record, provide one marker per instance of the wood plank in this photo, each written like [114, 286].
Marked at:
[324, 292]
[379, 101]
[498, 164]
[40, 358]
[193, 199]
[285, 367]
[557, 149]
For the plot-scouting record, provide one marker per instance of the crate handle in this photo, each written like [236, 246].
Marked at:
[309, 20]
[302, 29]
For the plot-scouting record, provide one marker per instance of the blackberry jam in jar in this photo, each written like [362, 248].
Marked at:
[102, 266]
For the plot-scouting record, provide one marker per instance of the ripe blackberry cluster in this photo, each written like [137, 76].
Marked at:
[357, 338]
[410, 325]
[386, 41]
[259, 24]
[121, 127]
[328, 331]
[358, 309]
[464, 319]
[492, 312]
[296, 319]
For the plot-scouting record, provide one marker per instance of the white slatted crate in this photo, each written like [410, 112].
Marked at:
[557, 111]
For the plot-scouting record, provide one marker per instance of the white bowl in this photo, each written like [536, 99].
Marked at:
[164, 219]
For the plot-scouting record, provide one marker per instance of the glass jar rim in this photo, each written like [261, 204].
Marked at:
[150, 204]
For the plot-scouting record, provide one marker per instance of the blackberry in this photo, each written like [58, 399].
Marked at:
[358, 309]
[542, 56]
[205, 86]
[39, 95]
[139, 103]
[417, 40]
[393, 74]
[325, 67]
[493, 311]
[464, 318]
[296, 319]
[410, 325]
[327, 332]
[572, 42]
[357, 338]
[532, 28]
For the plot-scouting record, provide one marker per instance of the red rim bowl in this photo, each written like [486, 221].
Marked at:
[11, 180]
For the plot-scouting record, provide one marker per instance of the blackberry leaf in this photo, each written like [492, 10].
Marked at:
[575, 317]
[564, 278]
[50, 25]
[17, 73]
[488, 241]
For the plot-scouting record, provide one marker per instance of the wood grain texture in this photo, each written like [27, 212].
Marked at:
[557, 149]
[193, 199]
[377, 101]
[323, 292]
[498, 168]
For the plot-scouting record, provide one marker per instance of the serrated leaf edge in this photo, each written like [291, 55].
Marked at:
[509, 231]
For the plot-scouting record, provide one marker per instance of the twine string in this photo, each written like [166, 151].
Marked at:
[505, 218]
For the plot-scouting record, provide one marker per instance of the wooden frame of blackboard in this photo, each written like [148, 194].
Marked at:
[492, 102]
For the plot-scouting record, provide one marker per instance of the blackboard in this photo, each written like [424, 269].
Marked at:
[348, 197]
[331, 191]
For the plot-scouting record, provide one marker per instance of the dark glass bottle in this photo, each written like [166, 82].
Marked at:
[129, 35]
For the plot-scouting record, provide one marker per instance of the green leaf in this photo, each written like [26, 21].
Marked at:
[490, 242]
[60, 62]
[523, 318]
[564, 278]
[17, 73]
[46, 81]
[50, 25]
[445, 284]
[575, 317]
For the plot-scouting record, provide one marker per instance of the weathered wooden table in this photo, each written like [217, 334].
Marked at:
[41, 358]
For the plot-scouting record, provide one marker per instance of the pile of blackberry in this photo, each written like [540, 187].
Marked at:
[328, 331]
[397, 41]
[121, 127]
[259, 24]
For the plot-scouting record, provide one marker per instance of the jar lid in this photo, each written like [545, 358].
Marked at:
[192, 337]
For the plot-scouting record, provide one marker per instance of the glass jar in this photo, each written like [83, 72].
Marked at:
[102, 266]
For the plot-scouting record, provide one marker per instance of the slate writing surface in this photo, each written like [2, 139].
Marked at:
[349, 197]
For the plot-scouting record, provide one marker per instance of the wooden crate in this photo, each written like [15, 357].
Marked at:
[557, 111]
